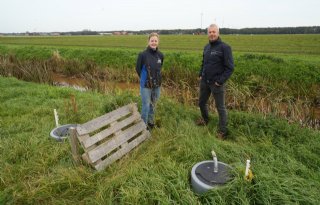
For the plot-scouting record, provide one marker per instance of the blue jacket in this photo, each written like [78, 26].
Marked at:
[217, 62]
[148, 67]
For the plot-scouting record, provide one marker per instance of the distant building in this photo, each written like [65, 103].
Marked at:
[105, 34]
[55, 34]
[120, 33]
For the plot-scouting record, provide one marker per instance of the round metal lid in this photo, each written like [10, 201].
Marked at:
[205, 173]
[60, 133]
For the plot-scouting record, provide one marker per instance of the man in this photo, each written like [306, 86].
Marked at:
[217, 67]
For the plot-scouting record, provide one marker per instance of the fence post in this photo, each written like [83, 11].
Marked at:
[74, 145]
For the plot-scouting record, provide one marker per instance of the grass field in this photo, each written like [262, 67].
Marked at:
[35, 169]
[308, 44]
[272, 72]
[277, 74]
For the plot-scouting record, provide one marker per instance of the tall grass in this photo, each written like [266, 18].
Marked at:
[35, 169]
[249, 68]
[261, 83]
[284, 82]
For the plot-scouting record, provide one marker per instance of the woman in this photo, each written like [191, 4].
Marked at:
[148, 68]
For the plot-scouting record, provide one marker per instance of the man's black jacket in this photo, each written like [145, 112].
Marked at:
[217, 62]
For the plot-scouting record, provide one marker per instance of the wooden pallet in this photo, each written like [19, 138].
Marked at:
[107, 138]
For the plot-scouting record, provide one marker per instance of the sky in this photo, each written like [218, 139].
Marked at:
[109, 15]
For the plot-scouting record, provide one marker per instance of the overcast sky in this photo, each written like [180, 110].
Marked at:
[107, 15]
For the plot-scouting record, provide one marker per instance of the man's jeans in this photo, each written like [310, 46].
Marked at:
[149, 98]
[218, 93]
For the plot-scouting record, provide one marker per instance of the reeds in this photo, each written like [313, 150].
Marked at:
[29, 70]
[256, 89]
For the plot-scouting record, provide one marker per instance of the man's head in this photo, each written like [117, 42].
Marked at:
[213, 32]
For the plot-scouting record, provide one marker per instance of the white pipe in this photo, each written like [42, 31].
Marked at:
[247, 168]
[215, 160]
[56, 117]
[215, 168]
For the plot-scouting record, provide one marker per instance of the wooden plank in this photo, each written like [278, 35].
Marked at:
[105, 148]
[104, 120]
[74, 145]
[82, 138]
[85, 158]
[144, 135]
[117, 155]
[109, 131]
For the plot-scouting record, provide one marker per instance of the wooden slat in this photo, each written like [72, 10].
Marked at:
[104, 120]
[105, 148]
[74, 143]
[144, 135]
[85, 158]
[82, 138]
[112, 129]
[117, 155]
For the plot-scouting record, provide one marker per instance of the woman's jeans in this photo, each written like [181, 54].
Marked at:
[149, 98]
[218, 93]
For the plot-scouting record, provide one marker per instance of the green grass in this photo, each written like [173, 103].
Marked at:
[291, 44]
[278, 59]
[35, 169]
[287, 75]
[285, 83]
[302, 47]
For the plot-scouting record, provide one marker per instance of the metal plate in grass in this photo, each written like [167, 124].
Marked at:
[62, 132]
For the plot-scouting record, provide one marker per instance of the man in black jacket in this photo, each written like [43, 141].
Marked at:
[217, 67]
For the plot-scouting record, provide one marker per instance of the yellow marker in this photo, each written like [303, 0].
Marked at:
[248, 173]
[213, 153]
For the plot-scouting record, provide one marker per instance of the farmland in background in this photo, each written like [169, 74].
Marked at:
[308, 44]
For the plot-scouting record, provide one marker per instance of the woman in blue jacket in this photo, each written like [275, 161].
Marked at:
[148, 68]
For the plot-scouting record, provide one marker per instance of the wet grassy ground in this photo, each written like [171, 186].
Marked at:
[35, 169]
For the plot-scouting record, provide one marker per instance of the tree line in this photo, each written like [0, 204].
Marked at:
[269, 30]
[197, 31]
